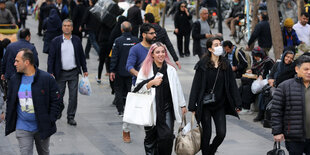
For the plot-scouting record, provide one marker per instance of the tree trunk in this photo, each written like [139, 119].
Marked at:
[276, 34]
[197, 9]
[301, 7]
[164, 13]
[255, 5]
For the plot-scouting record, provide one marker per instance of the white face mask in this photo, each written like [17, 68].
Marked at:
[218, 51]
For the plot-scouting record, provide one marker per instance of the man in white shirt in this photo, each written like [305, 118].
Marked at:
[66, 60]
[303, 29]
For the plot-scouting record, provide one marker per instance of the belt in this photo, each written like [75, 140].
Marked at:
[69, 70]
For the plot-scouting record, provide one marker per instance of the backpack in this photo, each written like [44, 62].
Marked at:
[22, 8]
[246, 58]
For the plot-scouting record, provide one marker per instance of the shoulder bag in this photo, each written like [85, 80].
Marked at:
[210, 98]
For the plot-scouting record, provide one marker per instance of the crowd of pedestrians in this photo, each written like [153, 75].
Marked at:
[136, 52]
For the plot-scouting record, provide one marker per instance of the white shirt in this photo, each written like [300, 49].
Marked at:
[67, 54]
[303, 32]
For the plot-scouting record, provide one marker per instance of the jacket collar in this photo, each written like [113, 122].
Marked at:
[19, 75]
[126, 34]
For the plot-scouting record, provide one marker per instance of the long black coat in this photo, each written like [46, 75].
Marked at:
[199, 86]
[183, 22]
[46, 102]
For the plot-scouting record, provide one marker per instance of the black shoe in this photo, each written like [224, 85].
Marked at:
[182, 56]
[72, 122]
[259, 117]
[40, 34]
[120, 114]
[187, 54]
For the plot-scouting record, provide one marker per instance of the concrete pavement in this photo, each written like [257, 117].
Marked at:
[99, 129]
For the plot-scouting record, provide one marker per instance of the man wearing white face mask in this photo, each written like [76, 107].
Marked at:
[214, 77]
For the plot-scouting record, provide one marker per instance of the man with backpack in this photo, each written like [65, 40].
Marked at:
[239, 61]
[23, 12]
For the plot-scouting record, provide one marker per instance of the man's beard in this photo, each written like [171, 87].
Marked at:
[150, 41]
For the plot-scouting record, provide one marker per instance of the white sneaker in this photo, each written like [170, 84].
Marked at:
[245, 112]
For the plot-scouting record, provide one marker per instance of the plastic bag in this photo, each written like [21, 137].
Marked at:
[84, 86]
[257, 85]
[106, 12]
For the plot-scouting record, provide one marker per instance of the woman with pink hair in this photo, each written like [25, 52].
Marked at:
[159, 75]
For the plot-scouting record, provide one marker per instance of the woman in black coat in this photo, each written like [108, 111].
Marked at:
[182, 24]
[52, 27]
[212, 66]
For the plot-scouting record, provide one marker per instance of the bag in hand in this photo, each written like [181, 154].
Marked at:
[188, 144]
[139, 109]
[276, 150]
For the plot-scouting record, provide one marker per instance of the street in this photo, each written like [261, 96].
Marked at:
[99, 129]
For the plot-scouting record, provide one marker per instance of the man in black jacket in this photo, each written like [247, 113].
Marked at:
[201, 31]
[32, 106]
[65, 60]
[161, 36]
[262, 33]
[236, 13]
[236, 57]
[135, 18]
[121, 77]
[291, 110]
[12, 49]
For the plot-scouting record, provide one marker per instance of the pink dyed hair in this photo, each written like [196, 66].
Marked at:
[148, 61]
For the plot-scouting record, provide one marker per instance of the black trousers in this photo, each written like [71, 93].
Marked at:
[122, 86]
[186, 44]
[298, 148]
[70, 78]
[104, 54]
[40, 26]
[219, 119]
[159, 139]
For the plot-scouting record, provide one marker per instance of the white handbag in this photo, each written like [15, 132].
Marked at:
[139, 109]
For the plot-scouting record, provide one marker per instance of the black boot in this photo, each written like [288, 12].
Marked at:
[260, 116]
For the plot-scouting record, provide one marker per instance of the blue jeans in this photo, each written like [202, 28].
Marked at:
[91, 41]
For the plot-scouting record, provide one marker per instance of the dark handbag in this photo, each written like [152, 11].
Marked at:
[276, 150]
[210, 98]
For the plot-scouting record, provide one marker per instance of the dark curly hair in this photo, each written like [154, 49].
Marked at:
[206, 58]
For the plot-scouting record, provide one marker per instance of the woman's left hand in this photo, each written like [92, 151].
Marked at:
[184, 110]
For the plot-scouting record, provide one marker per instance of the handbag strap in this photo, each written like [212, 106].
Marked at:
[277, 145]
[217, 74]
[192, 120]
[183, 121]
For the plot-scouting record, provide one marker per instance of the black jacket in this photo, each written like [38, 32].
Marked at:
[162, 37]
[52, 26]
[241, 65]
[54, 65]
[288, 110]
[236, 11]
[45, 10]
[46, 102]
[120, 53]
[77, 13]
[8, 68]
[134, 15]
[263, 34]
[183, 22]
[90, 22]
[197, 36]
[199, 86]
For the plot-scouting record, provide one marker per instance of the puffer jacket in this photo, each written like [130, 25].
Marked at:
[287, 112]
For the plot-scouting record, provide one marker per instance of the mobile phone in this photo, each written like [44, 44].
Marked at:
[158, 74]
